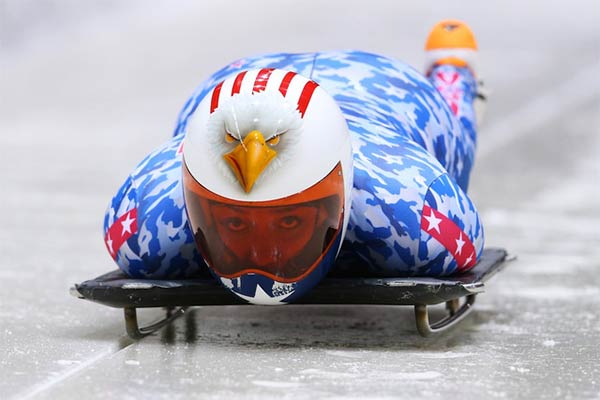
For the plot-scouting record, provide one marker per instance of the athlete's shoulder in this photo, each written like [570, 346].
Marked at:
[165, 157]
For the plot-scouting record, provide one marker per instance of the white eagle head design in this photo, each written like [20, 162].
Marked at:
[266, 134]
[252, 135]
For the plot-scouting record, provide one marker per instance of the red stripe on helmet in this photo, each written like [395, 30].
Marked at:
[454, 239]
[262, 79]
[237, 83]
[214, 102]
[285, 83]
[307, 93]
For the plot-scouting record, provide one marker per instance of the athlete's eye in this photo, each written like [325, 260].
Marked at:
[274, 140]
[234, 224]
[289, 222]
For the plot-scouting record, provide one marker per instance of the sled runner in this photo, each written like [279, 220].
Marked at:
[115, 289]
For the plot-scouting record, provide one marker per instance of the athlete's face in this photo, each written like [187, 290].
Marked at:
[265, 237]
[282, 241]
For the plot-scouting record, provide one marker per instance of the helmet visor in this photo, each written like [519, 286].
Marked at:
[282, 239]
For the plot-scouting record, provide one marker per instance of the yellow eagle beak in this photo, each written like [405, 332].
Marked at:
[249, 159]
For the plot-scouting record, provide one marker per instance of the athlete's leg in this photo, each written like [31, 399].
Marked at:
[451, 57]
[458, 87]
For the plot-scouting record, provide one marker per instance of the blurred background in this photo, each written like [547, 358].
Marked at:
[89, 88]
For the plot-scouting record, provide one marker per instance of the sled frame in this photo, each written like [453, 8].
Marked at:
[114, 289]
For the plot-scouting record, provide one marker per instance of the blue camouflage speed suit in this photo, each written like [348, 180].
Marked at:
[413, 140]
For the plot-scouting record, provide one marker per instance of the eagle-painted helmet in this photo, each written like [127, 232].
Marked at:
[267, 180]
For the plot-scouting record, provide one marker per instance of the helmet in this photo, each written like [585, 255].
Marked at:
[267, 178]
